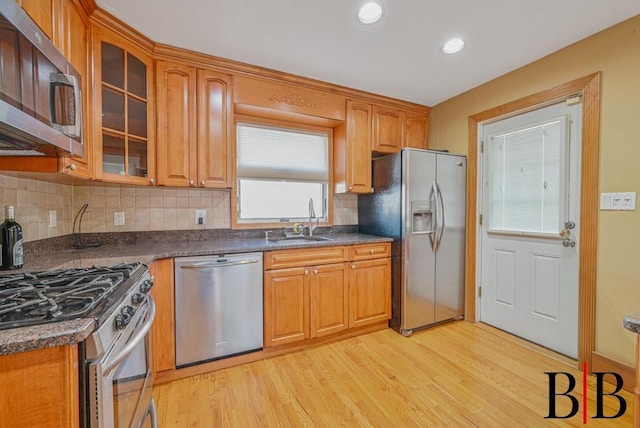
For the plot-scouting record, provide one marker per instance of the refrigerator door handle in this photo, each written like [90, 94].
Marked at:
[439, 212]
[434, 216]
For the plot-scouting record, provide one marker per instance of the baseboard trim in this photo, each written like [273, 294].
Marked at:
[601, 363]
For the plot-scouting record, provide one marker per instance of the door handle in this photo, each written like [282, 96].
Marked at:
[209, 265]
[439, 213]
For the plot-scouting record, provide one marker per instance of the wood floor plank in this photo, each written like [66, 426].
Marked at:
[455, 375]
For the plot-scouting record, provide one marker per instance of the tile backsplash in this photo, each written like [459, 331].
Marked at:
[145, 208]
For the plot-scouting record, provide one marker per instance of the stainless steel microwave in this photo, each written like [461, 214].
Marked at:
[40, 92]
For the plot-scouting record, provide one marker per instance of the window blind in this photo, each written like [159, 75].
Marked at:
[277, 153]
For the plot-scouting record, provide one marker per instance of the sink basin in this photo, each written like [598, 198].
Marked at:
[298, 239]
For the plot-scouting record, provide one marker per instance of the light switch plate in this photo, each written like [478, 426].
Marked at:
[201, 217]
[621, 201]
[53, 218]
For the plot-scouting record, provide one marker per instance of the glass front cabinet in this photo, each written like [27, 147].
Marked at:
[123, 98]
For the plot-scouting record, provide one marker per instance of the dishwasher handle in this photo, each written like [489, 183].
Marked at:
[226, 264]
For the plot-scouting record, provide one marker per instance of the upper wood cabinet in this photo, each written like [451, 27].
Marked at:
[42, 12]
[194, 126]
[387, 129]
[124, 143]
[72, 38]
[352, 150]
[416, 130]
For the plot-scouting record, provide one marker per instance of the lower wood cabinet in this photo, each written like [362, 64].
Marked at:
[313, 301]
[40, 388]
[369, 292]
[163, 329]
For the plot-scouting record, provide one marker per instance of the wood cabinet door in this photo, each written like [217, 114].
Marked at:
[286, 306]
[123, 109]
[42, 13]
[40, 388]
[215, 137]
[163, 337]
[387, 129]
[176, 121]
[358, 140]
[72, 38]
[369, 292]
[329, 304]
[416, 130]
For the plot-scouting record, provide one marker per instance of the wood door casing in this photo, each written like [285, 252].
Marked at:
[214, 133]
[369, 292]
[329, 299]
[286, 306]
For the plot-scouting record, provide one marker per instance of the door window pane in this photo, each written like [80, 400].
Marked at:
[137, 158]
[136, 76]
[112, 109]
[113, 156]
[527, 179]
[137, 112]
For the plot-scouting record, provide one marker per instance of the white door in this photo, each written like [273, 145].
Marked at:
[530, 226]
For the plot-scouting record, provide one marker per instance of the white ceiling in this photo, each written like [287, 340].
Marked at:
[397, 57]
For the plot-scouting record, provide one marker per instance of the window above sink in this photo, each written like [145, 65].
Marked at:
[279, 169]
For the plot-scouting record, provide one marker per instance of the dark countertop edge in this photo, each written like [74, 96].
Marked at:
[30, 338]
[632, 322]
[70, 332]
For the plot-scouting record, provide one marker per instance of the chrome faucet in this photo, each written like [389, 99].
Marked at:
[312, 215]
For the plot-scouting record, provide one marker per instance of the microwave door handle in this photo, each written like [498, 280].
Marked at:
[57, 79]
[142, 332]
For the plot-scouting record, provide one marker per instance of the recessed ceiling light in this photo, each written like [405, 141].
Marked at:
[453, 46]
[370, 13]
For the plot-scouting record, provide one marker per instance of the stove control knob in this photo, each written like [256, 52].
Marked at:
[146, 285]
[137, 299]
[120, 322]
[128, 312]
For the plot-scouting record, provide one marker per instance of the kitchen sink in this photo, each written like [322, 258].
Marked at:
[298, 239]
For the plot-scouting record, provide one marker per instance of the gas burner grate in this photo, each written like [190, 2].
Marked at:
[31, 298]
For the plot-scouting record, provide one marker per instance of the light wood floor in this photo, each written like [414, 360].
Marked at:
[455, 375]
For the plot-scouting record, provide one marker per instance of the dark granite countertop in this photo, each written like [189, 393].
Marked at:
[151, 247]
[632, 322]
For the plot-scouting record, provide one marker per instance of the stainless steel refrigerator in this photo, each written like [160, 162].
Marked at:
[419, 200]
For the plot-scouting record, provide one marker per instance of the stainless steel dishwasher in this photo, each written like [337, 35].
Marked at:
[218, 306]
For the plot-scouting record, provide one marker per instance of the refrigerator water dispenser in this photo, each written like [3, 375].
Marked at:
[421, 217]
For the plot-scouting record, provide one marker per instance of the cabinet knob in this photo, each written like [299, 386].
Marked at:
[191, 182]
[350, 187]
[306, 272]
[72, 166]
[315, 271]
[371, 251]
[202, 183]
[152, 181]
[353, 267]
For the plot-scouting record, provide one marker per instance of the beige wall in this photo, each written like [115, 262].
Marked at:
[616, 53]
[145, 208]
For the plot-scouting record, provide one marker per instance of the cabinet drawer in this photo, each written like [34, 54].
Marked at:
[304, 257]
[370, 251]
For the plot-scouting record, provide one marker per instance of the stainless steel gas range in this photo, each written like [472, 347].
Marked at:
[116, 374]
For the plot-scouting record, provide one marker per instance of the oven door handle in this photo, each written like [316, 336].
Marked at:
[139, 336]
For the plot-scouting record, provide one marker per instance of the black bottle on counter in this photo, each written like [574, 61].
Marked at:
[11, 235]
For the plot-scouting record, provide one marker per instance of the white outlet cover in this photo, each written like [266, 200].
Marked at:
[620, 201]
[118, 218]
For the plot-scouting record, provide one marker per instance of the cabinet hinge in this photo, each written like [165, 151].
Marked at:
[480, 219]
[481, 146]
[480, 292]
